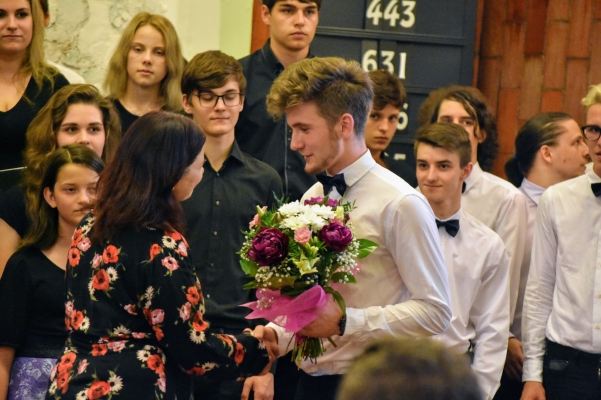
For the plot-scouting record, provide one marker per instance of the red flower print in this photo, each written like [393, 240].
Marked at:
[97, 260]
[193, 296]
[116, 346]
[98, 389]
[99, 350]
[110, 254]
[198, 323]
[185, 311]
[170, 263]
[76, 237]
[76, 319]
[66, 362]
[68, 323]
[174, 235]
[156, 316]
[62, 382]
[239, 354]
[155, 363]
[158, 332]
[225, 338]
[101, 280]
[85, 244]
[130, 308]
[74, 256]
[182, 250]
[196, 371]
[138, 335]
[154, 250]
[69, 308]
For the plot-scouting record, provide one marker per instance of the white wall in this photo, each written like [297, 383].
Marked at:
[83, 33]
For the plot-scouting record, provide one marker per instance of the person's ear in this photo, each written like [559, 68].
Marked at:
[347, 126]
[480, 135]
[187, 106]
[467, 170]
[49, 197]
[546, 154]
[265, 15]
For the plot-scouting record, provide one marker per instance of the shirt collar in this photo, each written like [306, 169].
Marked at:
[272, 61]
[235, 154]
[474, 176]
[532, 190]
[457, 215]
[358, 169]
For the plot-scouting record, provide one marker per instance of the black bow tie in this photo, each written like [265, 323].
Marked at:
[451, 226]
[329, 182]
[596, 188]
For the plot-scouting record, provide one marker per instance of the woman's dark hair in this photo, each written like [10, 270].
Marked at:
[44, 230]
[540, 130]
[135, 189]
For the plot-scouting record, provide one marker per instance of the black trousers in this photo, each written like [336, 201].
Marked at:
[570, 374]
[317, 387]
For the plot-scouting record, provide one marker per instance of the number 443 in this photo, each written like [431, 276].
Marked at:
[391, 12]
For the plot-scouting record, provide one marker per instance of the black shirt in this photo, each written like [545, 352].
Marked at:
[220, 208]
[13, 210]
[262, 137]
[127, 118]
[400, 168]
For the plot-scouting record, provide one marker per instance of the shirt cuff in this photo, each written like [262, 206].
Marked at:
[533, 371]
[283, 338]
[355, 321]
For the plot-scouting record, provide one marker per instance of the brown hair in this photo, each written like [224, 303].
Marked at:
[136, 188]
[388, 89]
[115, 82]
[211, 70]
[335, 85]
[450, 137]
[271, 3]
[41, 134]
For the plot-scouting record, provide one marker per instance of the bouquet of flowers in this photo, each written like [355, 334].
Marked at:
[297, 254]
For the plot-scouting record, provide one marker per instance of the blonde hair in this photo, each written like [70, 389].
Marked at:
[41, 134]
[115, 82]
[592, 97]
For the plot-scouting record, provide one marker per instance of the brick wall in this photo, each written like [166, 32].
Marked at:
[536, 56]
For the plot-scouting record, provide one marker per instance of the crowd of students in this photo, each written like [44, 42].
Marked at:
[176, 157]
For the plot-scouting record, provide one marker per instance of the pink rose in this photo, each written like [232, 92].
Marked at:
[116, 346]
[170, 263]
[83, 364]
[181, 249]
[185, 311]
[85, 244]
[138, 335]
[162, 383]
[69, 308]
[257, 219]
[96, 261]
[130, 308]
[157, 316]
[302, 235]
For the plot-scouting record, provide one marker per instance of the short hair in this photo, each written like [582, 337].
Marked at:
[540, 130]
[335, 86]
[448, 136]
[409, 369]
[44, 229]
[41, 134]
[388, 89]
[211, 70]
[271, 3]
[136, 188]
[476, 106]
[593, 96]
[115, 82]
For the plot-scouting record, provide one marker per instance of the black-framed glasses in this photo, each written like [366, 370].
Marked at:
[209, 100]
[591, 132]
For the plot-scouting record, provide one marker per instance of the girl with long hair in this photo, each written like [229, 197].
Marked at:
[145, 70]
[134, 304]
[31, 290]
[26, 81]
[75, 114]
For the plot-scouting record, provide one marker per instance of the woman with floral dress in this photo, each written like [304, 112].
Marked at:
[134, 306]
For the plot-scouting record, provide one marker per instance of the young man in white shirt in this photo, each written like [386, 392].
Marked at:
[475, 256]
[561, 322]
[402, 288]
[492, 200]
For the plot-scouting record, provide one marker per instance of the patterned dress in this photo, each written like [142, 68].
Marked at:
[134, 313]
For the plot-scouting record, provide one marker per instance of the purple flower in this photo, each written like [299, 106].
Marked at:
[336, 236]
[319, 200]
[269, 247]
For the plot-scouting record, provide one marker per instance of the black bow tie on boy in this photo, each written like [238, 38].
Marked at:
[330, 182]
[596, 188]
[451, 226]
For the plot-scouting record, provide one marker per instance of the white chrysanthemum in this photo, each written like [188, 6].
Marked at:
[209, 366]
[169, 242]
[52, 388]
[293, 223]
[81, 395]
[313, 220]
[143, 355]
[91, 288]
[323, 211]
[85, 324]
[121, 330]
[197, 337]
[291, 209]
[112, 273]
[116, 383]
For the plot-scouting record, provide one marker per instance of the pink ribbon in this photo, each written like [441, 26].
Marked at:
[291, 313]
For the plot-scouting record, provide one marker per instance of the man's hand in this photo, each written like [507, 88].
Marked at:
[515, 359]
[533, 391]
[261, 385]
[326, 323]
[270, 339]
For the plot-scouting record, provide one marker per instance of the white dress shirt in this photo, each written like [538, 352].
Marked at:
[563, 294]
[533, 193]
[402, 288]
[478, 270]
[502, 207]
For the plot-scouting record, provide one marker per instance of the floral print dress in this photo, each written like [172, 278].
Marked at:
[134, 313]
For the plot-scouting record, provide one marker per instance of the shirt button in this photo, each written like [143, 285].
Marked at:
[215, 233]
[208, 296]
[217, 202]
[212, 265]
[289, 139]
[287, 166]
